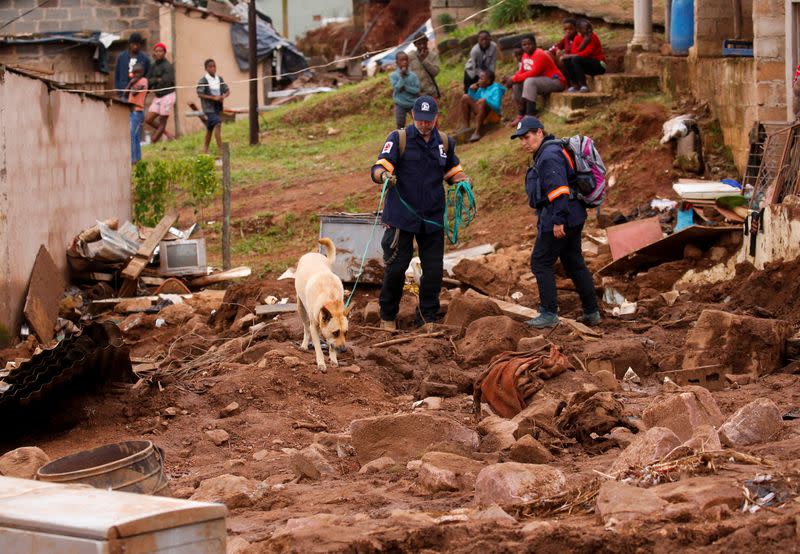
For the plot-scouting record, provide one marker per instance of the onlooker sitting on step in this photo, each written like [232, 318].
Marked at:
[537, 75]
[405, 89]
[484, 99]
[587, 58]
[564, 46]
[482, 56]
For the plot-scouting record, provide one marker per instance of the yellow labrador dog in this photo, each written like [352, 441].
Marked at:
[320, 303]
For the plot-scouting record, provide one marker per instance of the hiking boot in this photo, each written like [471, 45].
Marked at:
[591, 319]
[388, 325]
[544, 320]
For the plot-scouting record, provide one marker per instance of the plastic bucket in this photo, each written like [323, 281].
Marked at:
[131, 466]
[681, 35]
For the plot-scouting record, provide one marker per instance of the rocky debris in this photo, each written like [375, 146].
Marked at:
[236, 545]
[433, 388]
[481, 277]
[429, 403]
[631, 377]
[309, 462]
[618, 502]
[622, 436]
[229, 410]
[647, 448]
[738, 343]
[341, 443]
[541, 407]
[757, 422]
[527, 450]
[496, 514]
[513, 483]
[376, 466]
[702, 492]
[372, 313]
[705, 439]
[489, 336]
[171, 411]
[443, 471]
[531, 343]
[463, 310]
[617, 356]
[404, 437]
[177, 314]
[607, 380]
[232, 490]
[23, 462]
[497, 433]
[684, 412]
[592, 412]
[218, 436]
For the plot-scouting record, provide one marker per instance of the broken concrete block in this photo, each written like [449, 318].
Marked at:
[531, 343]
[620, 355]
[497, 433]
[372, 313]
[443, 471]
[527, 450]
[232, 490]
[310, 462]
[737, 343]
[463, 310]
[489, 336]
[622, 502]
[23, 462]
[377, 465]
[684, 412]
[757, 422]
[514, 483]
[703, 492]
[432, 388]
[404, 437]
[647, 448]
[218, 436]
[705, 439]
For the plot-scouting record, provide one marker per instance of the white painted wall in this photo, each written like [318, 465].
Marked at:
[302, 13]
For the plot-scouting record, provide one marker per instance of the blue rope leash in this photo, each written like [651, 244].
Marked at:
[460, 198]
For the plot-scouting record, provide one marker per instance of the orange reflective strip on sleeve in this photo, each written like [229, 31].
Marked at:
[457, 169]
[555, 193]
[386, 163]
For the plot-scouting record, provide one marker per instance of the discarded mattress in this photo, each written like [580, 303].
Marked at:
[704, 190]
[98, 355]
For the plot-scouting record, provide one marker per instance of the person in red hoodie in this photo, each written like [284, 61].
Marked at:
[587, 58]
[537, 75]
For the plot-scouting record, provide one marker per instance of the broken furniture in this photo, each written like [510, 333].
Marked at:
[39, 518]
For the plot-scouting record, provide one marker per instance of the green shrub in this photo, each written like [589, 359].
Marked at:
[507, 12]
[447, 22]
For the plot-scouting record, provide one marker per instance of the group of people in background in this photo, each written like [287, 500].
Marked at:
[135, 76]
[562, 68]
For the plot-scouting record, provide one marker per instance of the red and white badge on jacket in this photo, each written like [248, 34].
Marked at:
[387, 147]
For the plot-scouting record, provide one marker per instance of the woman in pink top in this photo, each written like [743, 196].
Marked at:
[587, 58]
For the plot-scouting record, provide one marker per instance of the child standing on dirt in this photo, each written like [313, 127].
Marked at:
[137, 92]
[405, 90]
[212, 91]
[587, 58]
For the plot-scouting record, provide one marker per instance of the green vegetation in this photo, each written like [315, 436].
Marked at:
[506, 12]
[447, 22]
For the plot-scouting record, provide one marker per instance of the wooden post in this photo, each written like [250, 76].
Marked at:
[226, 206]
[252, 40]
[286, 19]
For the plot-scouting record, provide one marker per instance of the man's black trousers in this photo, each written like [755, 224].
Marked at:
[546, 251]
[398, 249]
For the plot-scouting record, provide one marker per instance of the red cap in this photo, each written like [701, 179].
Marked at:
[161, 45]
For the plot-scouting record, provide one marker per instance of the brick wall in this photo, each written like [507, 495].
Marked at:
[459, 9]
[713, 22]
[769, 26]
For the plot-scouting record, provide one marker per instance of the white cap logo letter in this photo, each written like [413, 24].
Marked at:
[426, 107]
[519, 125]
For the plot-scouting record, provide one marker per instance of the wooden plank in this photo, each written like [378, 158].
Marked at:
[275, 309]
[221, 277]
[44, 294]
[145, 252]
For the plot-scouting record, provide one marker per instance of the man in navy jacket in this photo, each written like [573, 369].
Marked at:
[561, 216]
[414, 209]
[125, 62]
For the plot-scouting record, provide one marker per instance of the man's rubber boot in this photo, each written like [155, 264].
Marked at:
[388, 325]
[543, 320]
[591, 319]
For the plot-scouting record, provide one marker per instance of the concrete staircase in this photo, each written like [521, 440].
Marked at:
[573, 106]
[606, 88]
[627, 83]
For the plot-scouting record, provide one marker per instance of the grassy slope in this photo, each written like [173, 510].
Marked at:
[315, 155]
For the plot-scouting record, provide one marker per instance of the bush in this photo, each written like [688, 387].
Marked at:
[507, 12]
[447, 22]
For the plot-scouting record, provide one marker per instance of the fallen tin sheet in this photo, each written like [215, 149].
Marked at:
[629, 237]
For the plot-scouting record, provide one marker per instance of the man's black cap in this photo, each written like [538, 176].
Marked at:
[135, 38]
[527, 124]
[425, 109]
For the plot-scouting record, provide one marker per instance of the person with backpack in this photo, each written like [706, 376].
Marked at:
[561, 213]
[413, 163]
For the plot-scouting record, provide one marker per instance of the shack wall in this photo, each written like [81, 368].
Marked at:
[64, 163]
[191, 41]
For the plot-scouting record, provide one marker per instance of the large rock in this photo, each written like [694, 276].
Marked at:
[489, 336]
[741, 344]
[620, 502]
[542, 409]
[514, 483]
[23, 462]
[703, 492]
[647, 448]
[480, 277]
[232, 490]
[310, 462]
[527, 450]
[705, 439]
[407, 436]
[463, 310]
[443, 471]
[758, 421]
[684, 411]
[618, 356]
[498, 433]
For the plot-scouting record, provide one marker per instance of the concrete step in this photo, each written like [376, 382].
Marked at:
[625, 83]
[573, 105]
